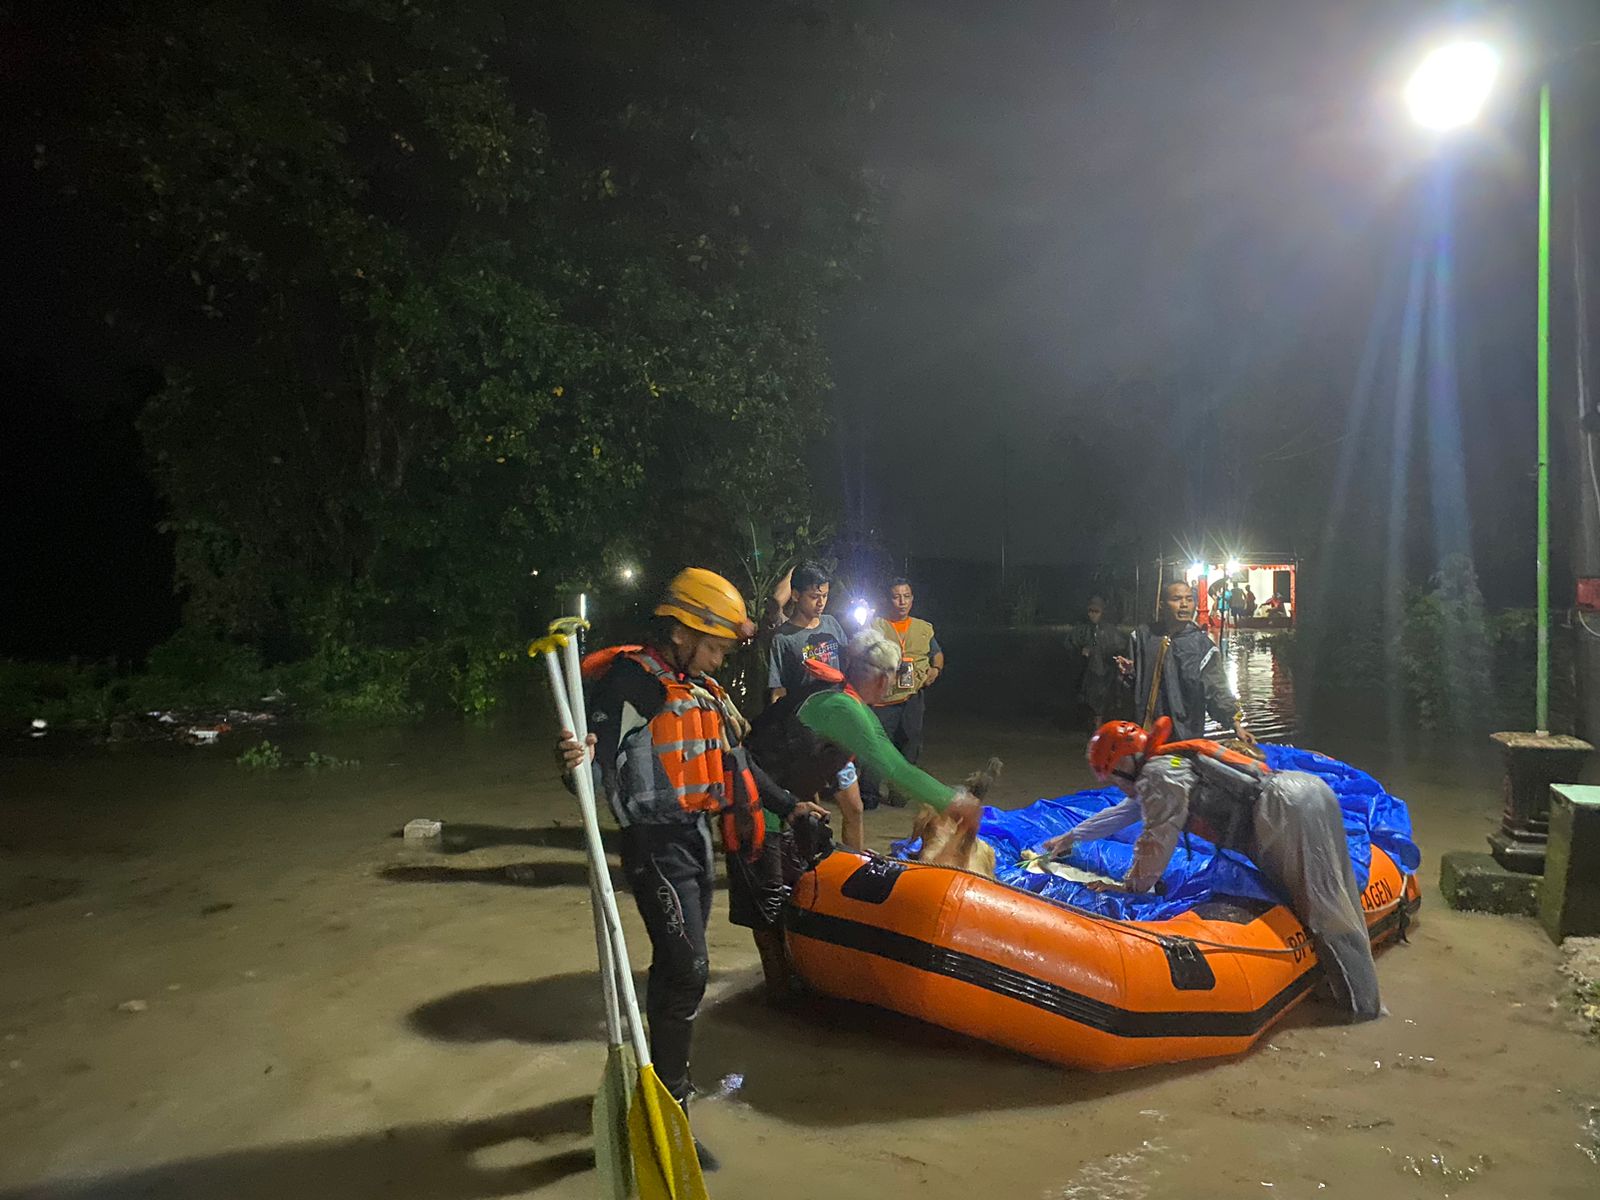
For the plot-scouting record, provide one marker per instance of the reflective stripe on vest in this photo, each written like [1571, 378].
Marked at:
[1224, 803]
[696, 768]
[1206, 748]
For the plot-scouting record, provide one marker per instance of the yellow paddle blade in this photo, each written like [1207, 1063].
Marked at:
[545, 645]
[613, 1155]
[664, 1162]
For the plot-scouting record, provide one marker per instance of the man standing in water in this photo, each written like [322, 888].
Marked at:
[666, 757]
[1096, 644]
[809, 634]
[903, 706]
[1177, 671]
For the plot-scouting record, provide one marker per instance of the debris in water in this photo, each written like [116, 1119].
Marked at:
[1423, 1063]
[727, 1086]
[1591, 1130]
[517, 872]
[423, 828]
[132, 1006]
[1125, 1176]
[39, 727]
[1434, 1167]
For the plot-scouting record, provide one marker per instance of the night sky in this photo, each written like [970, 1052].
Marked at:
[1198, 201]
[1178, 203]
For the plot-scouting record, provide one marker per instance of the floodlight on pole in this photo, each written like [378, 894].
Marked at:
[1451, 85]
[1448, 90]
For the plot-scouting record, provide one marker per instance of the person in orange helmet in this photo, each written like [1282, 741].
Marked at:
[667, 757]
[1286, 822]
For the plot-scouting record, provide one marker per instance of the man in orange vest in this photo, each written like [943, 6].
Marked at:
[667, 758]
[904, 705]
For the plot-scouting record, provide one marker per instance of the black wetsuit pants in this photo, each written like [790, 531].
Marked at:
[669, 870]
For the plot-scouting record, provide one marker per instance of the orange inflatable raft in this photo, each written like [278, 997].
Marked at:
[1055, 982]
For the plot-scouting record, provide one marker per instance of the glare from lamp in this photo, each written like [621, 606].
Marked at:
[1451, 85]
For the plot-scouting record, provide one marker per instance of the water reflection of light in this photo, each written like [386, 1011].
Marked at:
[1264, 686]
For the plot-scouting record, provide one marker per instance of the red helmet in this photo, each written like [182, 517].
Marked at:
[1113, 742]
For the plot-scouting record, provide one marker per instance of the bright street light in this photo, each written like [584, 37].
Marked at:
[1450, 86]
[627, 574]
[1448, 90]
[1234, 566]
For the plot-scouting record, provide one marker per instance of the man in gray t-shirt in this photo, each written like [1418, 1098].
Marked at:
[809, 634]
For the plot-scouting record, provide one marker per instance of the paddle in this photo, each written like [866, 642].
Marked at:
[613, 1158]
[660, 1145]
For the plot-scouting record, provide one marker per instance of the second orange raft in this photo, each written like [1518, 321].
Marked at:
[1055, 982]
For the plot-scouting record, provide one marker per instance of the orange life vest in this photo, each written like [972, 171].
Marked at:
[690, 764]
[1222, 807]
[1217, 751]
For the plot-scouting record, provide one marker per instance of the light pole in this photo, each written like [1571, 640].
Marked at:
[1447, 91]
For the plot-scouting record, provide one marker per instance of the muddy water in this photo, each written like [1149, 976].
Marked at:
[329, 1012]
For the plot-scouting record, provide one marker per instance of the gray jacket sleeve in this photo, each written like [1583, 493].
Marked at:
[1163, 793]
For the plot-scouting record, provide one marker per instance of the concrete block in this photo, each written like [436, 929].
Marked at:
[1475, 882]
[1569, 905]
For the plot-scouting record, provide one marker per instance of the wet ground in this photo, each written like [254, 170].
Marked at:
[222, 984]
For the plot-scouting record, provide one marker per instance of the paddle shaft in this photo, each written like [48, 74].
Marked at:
[600, 874]
[602, 940]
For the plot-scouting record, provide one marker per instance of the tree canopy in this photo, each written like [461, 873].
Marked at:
[450, 291]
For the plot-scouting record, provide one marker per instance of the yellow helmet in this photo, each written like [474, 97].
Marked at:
[705, 601]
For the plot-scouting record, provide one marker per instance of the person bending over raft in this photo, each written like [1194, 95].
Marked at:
[806, 739]
[1286, 822]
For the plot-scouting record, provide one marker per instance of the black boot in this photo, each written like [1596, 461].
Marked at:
[709, 1162]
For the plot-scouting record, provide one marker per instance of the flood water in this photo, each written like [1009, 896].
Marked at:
[230, 985]
[1263, 683]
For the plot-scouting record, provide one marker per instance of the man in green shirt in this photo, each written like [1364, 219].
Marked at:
[811, 738]
[818, 729]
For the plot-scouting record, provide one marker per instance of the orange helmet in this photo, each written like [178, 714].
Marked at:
[1113, 742]
[705, 601]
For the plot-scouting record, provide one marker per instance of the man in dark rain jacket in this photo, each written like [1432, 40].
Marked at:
[1177, 671]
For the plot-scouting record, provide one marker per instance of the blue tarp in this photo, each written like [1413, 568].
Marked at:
[1197, 872]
